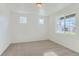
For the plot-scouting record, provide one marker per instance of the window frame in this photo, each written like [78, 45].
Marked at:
[41, 21]
[57, 21]
[21, 18]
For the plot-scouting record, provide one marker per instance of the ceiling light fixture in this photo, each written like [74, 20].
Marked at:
[39, 5]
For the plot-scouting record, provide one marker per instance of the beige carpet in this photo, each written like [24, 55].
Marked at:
[38, 48]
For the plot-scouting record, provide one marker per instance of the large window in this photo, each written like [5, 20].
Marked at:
[66, 24]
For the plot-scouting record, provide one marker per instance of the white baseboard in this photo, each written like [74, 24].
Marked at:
[29, 40]
[77, 51]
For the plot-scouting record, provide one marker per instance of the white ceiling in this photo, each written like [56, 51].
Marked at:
[29, 8]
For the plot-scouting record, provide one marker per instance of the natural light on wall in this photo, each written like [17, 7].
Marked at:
[23, 20]
[3, 24]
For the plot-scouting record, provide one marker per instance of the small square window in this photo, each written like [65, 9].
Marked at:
[41, 21]
[23, 19]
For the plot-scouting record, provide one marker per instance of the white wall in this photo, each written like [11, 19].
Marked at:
[4, 28]
[11, 31]
[31, 31]
[69, 41]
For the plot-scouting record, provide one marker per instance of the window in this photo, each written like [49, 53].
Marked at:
[41, 21]
[23, 19]
[66, 24]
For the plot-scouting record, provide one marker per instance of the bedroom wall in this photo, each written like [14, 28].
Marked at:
[31, 31]
[4, 28]
[67, 40]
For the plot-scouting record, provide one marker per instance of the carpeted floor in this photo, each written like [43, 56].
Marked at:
[38, 48]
